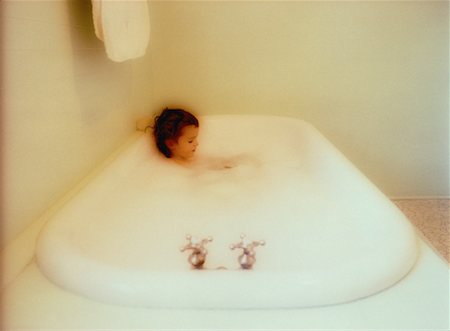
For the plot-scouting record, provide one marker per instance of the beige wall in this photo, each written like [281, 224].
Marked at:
[372, 76]
[65, 107]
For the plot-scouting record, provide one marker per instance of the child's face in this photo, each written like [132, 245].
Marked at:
[184, 148]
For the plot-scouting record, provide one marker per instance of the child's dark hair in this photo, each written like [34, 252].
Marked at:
[168, 126]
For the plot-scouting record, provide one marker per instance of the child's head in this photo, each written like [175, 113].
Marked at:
[175, 132]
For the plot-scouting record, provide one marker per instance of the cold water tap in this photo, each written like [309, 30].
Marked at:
[199, 252]
[247, 258]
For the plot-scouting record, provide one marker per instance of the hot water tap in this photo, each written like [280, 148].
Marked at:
[199, 252]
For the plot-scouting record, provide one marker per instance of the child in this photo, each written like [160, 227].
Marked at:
[175, 132]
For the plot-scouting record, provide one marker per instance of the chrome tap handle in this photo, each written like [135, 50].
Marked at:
[199, 252]
[247, 258]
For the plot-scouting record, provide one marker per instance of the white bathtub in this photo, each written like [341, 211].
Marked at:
[331, 236]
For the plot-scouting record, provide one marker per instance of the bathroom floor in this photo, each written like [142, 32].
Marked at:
[431, 218]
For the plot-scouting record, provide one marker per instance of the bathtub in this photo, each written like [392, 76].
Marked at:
[331, 236]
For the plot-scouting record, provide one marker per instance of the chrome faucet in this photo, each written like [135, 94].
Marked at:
[199, 252]
[247, 258]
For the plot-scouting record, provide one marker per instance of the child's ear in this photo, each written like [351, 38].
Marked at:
[170, 143]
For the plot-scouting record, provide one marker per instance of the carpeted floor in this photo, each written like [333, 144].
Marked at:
[431, 218]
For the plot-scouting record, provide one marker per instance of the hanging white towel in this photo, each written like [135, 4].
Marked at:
[123, 26]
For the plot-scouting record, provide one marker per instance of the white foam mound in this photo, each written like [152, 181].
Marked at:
[331, 236]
